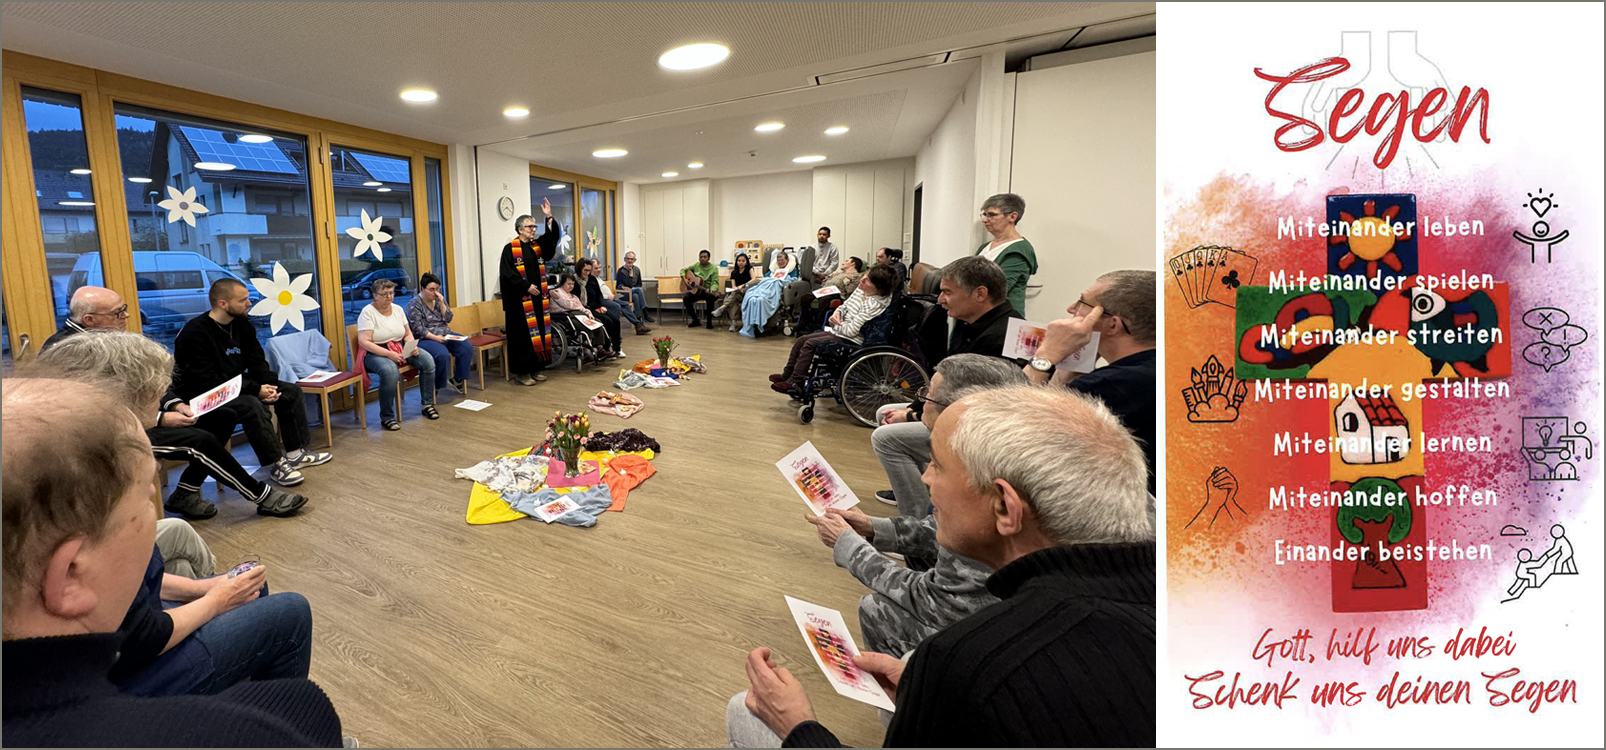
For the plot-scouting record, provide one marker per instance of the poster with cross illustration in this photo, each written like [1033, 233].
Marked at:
[1382, 323]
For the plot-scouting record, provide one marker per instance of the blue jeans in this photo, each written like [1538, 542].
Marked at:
[266, 639]
[462, 350]
[620, 311]
[638, 301]
[390, 375]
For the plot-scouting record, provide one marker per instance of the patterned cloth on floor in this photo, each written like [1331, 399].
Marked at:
[622, 405]
[515, 473]
[486, 506]
[592, 501]
[624, 441]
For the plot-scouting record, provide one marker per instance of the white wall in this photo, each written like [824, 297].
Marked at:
[945, 167]
[466, 280]
[674, 225]
[863, 204]
[499, 175]
[629, 219]
[1084, 161]
[773, 208]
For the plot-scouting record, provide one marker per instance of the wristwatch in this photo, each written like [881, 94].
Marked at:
[1041, 365]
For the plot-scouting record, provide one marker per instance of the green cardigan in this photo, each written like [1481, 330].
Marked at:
[1019, 262]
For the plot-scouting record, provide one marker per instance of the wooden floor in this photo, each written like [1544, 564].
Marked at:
[431, 632]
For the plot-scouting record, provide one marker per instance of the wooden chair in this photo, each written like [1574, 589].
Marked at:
[669, 291]
[408, 372]
[341, 382]
[466, 321]
[492, 321]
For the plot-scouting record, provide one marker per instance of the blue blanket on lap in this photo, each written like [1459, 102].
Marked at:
[762, 301]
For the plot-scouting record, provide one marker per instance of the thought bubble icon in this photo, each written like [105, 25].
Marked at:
[1566, 336]
[1545, 355]
[1545, 318]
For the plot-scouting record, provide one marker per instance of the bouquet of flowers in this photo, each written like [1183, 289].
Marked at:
[567, 435]
[663, 346]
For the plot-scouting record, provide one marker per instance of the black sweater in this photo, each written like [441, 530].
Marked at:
[56, 695]
[207, 354]
[1126, 386]
[1065, 660]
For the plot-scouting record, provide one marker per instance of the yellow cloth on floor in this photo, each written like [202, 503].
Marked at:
[486, 506]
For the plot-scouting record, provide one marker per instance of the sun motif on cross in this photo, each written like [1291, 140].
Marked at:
[1371, 239]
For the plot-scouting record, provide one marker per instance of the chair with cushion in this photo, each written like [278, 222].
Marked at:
[466, 321]
[408, 373]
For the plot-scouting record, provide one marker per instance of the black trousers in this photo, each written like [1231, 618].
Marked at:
[206, 456]
[691, 299]
[256, 420]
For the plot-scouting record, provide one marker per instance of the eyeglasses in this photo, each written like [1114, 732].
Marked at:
[924, 394]
[391, 293]
[990, 214]
[527, 226]
[120, 313]
[1081, 303]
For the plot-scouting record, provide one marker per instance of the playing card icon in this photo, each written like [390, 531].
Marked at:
[1231, 280]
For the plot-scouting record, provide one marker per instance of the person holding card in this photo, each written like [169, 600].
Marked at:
[213, 348]
[1007, 248]
[598, 301]
[387, 342]
[430, 318]
[1046, 488]
[1120, 306]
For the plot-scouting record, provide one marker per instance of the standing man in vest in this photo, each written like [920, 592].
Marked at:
[524, 297]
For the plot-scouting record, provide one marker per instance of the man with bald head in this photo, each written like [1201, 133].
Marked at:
[91, 307]
[1047, 488]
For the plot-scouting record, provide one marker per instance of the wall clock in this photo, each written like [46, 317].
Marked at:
[505, 208]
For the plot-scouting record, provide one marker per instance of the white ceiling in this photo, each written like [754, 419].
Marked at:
[587, 71]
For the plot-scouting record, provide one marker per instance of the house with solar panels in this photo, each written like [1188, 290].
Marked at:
[1371, 430]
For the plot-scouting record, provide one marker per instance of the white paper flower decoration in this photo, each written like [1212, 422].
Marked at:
[283, 299]
[369, 237]
[182, 205]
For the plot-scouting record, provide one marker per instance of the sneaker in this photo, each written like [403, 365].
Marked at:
[285, 475]
[311, 458]
[461, 386]
[190, 505]
[885, 496]
[279, 504]
[718, 311]
[735, 326]
[693, 323]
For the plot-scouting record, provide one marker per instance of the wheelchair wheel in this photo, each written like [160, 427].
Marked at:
[560, 348]
[876, 377]
[805, 414]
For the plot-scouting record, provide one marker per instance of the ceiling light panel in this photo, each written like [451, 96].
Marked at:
[693, 56]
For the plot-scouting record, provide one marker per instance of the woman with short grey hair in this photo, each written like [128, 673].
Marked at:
[387, 343]
[1007, 248]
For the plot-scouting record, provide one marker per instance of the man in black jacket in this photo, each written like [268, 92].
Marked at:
[1047, 488]
[79, 524]
[212, 349]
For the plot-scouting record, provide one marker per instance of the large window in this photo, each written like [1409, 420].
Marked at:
[437, 224]
[561, 194]
[374, 226]
[208, 201]
[594, 225]
[63, 193]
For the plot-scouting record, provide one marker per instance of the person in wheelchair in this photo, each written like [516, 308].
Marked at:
[869, 299]
[567, 309]
[762, 298]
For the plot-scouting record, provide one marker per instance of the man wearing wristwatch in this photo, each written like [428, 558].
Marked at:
[1120, 306]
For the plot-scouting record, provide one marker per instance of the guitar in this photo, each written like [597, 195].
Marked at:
[691, 283]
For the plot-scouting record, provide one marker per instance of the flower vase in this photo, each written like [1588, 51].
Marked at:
[571, 461]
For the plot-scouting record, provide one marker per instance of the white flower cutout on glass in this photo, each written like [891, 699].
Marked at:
[182, 205]
[283, 299]
[368, 237]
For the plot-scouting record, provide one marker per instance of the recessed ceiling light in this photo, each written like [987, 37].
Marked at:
[838, 130]
[770, 127]
[140, 180]
[693, 56]
[74, 203]
[516, 112]
[214, 166]
[418, 95]
[695, 165]
[556, 186]
[256, 138]
[808, 159]
[671, 174]
[79, 171]
[372, 183]
[382, 190]
[609, 153]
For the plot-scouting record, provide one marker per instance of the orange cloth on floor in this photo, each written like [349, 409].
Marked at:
[624, 473]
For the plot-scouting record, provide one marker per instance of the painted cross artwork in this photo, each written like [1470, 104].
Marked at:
[1364, 345]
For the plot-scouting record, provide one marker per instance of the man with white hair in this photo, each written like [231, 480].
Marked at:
[1047, 488]
[79, 526]
[91, 308]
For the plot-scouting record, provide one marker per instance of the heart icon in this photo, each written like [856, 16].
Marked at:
[1540, 206]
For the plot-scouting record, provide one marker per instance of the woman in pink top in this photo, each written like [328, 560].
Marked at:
[565, 299]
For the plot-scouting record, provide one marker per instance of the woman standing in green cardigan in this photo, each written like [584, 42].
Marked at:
[1008, 249]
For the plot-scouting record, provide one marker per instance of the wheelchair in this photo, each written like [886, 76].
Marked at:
[570, 339]
[887, 369]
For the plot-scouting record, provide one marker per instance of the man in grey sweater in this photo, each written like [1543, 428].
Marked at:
[907, 605]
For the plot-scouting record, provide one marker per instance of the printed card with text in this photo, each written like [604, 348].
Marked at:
[827, 636]
[216, 397]
[1023, 338]
[1381, 252]
[815, 481]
